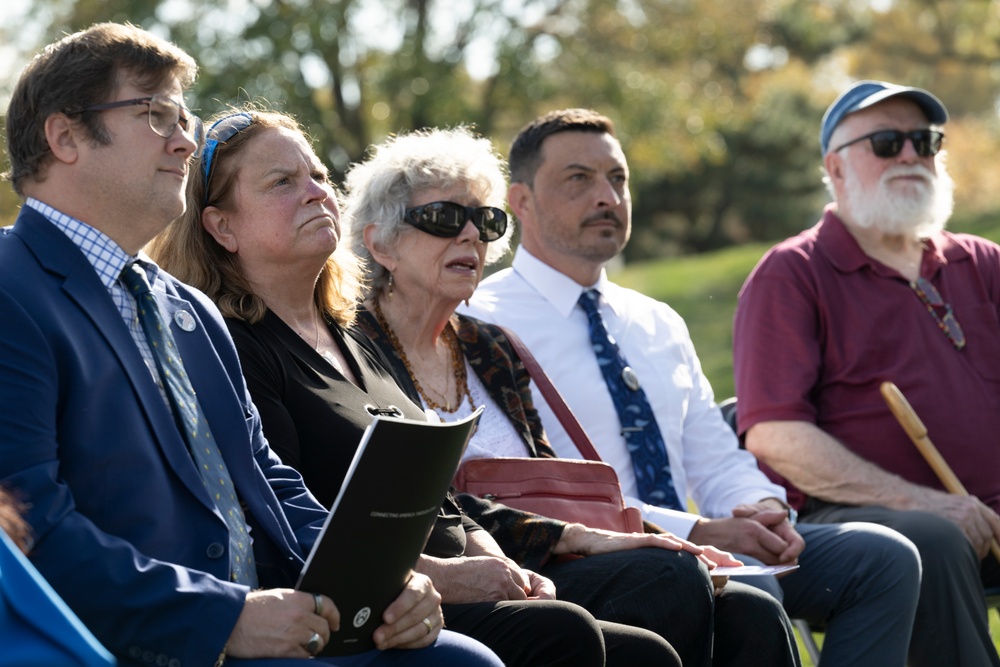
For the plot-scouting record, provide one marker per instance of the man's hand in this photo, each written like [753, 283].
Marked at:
[776, 518]
[979, 523]
[477, 579]
[414, 619]
[756, 530]
[279, 623]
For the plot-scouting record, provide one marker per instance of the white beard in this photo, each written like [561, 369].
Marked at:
[917, 208]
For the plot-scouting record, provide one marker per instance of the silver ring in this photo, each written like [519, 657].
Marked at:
[318, 601]
[429, 624]
[313, 645]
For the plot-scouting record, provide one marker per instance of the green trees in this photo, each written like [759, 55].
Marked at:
[717, 102]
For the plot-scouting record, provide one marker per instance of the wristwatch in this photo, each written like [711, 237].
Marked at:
[793, 516]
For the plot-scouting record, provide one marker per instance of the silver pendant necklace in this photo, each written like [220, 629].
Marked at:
[326, 354]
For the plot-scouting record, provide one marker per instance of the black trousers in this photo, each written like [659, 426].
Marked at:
[670, 593]
[951, 627]
[539, 633]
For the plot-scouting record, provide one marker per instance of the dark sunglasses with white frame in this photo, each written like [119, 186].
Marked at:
[448, 218]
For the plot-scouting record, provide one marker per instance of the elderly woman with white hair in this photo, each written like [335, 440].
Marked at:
[425, 214]
[262, 238]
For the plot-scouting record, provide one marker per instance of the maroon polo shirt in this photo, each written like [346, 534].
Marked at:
[820, 326]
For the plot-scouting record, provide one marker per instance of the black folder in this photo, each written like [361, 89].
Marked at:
[380, 521]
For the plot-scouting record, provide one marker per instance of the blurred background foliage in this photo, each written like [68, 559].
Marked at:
[717, 102]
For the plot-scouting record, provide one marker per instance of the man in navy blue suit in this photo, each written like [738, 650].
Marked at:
[124, 528]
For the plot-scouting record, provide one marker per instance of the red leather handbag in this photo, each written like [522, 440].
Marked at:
[570, 490]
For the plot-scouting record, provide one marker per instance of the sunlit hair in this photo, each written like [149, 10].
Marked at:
[190, 253]
[82, 69]
[12, 521]
[920, 211]
[526, 150]
[380, 189]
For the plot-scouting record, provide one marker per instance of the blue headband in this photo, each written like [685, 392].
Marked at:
[221, 131]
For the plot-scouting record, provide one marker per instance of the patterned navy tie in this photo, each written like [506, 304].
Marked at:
[639, 428]
[193, 425]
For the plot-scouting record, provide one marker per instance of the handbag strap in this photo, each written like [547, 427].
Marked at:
[552, 396]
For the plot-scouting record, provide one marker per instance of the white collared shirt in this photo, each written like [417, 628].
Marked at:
[540, 305]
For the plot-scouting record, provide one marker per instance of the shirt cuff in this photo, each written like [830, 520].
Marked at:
[672, 521]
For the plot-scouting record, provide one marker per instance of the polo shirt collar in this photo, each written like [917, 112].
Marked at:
[837, 242]
[561, 291]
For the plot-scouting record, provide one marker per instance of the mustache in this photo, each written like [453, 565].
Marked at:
[603, 215]
[908, 170]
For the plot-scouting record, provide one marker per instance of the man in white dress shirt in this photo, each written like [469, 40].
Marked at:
[569, 189]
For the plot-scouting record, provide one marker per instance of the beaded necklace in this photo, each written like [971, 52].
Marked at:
[458, 364]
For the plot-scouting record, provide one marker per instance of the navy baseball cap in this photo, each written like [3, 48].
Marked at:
[866, 93]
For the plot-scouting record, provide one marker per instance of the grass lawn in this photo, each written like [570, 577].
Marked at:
[994, 631]
[703, 290]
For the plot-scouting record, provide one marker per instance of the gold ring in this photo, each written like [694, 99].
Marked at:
[429, 624]
[318, 601]
[313, 645]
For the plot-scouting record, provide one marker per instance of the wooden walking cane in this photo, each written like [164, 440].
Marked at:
[915, 428]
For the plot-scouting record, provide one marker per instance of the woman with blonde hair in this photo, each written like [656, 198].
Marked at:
[261, 238]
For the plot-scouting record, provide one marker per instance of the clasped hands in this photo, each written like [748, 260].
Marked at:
[761, 530]
[281, 622]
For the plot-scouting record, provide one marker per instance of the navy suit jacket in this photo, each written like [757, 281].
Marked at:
[125, 531]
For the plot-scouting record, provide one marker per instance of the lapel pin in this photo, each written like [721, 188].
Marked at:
[184, 320]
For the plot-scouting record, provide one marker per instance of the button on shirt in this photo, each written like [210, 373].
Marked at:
[540, 305]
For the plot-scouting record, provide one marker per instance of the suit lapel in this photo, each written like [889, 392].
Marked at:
[60, 256]
[193, 343]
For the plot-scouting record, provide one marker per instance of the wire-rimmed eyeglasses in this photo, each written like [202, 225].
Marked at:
[165, 114]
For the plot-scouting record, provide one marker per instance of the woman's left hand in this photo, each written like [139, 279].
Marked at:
[583, 541]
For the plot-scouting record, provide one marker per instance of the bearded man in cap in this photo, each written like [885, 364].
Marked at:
[878, 291]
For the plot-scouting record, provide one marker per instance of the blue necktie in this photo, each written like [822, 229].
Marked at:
[639, 428]
[193, 425]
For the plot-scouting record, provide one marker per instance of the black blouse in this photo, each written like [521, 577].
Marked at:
[314, 417]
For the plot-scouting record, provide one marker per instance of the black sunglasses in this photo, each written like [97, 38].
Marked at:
[889, 143]
[221, 131]
[447, 219]
[164, 116]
